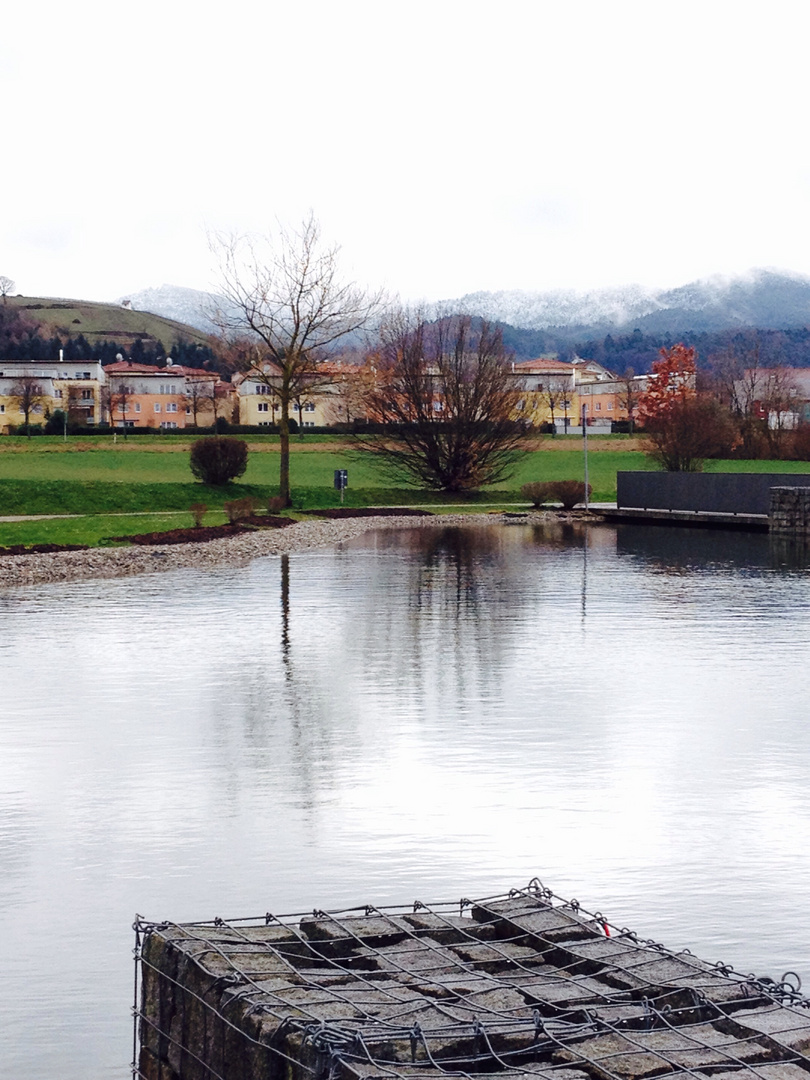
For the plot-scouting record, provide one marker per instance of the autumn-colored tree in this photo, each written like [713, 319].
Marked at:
[672, 381]
[683, 426]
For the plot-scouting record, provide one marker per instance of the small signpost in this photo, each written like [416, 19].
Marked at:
[341, 481]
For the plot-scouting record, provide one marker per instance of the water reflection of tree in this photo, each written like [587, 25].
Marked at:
[419, 624]
[461, 592]
[268, 700]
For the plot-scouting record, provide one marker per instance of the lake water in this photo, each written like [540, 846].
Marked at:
[431, 714]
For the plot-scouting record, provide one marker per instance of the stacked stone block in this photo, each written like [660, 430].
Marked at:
[789, 511]
[521, 985]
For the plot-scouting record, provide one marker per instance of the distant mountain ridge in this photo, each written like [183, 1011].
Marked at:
[768, 299]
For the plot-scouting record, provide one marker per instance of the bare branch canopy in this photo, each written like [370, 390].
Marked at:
[284, 307]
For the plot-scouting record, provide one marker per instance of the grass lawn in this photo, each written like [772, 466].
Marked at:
[95, 529]
[150, 475]
[310, 467]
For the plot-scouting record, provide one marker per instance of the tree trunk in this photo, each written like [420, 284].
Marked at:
[284, 455]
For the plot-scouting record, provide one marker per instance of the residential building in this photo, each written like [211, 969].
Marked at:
[141, 395]
[73, 387]
[333, 395]
[554, 392]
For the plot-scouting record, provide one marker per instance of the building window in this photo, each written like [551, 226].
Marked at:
[610, 406]
[309, 407]
[168, 424]
[309, 423]
[57, 393]
[598, 406]
[87, 395]
[188, 410]
[171, 407]
[157, 406]
[263, 406]
[264, 423]
[2, 408]
[137, 406]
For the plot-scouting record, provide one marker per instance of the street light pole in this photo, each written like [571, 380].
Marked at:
[585, 451]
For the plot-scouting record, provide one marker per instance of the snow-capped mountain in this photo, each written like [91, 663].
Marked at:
[190, 306]
[768, 299]
[539, 310]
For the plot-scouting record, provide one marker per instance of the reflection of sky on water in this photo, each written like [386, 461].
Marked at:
[429, 714]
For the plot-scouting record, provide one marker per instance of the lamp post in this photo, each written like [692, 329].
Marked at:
[585, 451]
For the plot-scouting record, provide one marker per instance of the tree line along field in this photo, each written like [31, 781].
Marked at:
[146, 485]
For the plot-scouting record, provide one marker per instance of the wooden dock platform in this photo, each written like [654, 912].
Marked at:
[519, 985]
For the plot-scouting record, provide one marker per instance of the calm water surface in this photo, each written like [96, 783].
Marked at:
[431, 714]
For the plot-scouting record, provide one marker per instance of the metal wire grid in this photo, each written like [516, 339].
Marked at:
[531, 983]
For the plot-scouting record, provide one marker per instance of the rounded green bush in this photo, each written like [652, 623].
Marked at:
[216, 460]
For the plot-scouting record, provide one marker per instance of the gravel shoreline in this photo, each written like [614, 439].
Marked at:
[20, 570]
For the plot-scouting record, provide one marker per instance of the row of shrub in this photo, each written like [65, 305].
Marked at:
[567, 492]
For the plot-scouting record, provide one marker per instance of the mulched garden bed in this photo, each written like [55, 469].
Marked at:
[369, 511]
[41, 549]
[196, 535]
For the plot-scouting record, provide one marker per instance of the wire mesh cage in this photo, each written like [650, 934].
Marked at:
[522, 983]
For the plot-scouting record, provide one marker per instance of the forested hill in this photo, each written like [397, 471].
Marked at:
[33, 328]
[637, 350]
[790, 348]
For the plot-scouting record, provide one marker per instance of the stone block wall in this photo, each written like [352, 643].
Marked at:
[522, 985]
[789, 511]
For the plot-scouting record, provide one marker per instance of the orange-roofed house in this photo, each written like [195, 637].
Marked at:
[141, 395]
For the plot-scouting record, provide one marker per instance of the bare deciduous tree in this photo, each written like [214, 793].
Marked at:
[555, 395]
[197, 396]
[28, 395]
[694, 428]
[446, 386]
[117, 397]
[761, 398]
[6, 285]
[350, 392]
[285, 294]
[629, 392]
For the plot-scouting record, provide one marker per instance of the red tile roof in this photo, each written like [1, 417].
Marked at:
[543, 366]
[126, 367]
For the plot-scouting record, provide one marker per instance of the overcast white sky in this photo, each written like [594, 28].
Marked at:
[447, 145]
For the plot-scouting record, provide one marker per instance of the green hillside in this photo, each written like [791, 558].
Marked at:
[103, 322]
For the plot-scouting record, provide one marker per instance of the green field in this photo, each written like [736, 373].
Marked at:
[151, 476]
